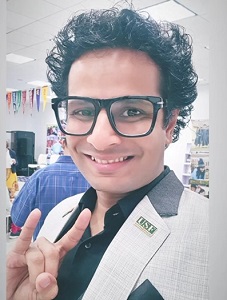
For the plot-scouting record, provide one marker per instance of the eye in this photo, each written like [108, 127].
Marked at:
[131, 112]
[82, 114]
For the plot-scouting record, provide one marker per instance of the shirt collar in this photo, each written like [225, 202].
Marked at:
[165, 200]
[64, 158]
[165, 196]
[128, 203]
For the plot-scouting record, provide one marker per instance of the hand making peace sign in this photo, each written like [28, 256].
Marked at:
[32, 268]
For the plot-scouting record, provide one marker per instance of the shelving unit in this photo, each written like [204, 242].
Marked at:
[186, 175]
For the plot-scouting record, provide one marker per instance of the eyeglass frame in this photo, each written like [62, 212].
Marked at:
[99, 104]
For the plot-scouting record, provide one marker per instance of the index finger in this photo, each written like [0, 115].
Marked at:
[24, 240]
[73, 236]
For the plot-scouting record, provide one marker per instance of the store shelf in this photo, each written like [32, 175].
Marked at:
[187, 185]
[186, 174]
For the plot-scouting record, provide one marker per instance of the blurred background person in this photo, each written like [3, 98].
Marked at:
[56, 148]
[12, 184]
[198, 189]
[199, 171]
[47, 187]
[11, 175]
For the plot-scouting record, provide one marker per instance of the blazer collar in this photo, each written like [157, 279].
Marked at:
[165, 196]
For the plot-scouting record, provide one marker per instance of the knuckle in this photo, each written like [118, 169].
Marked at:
[36, 258]
[48, 249]
[61, 251]
[41, 240]
[52, 252]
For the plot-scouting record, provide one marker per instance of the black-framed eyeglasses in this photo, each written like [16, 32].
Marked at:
[129, 116]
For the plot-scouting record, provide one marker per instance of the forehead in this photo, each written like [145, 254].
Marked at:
[121, 71]
[112, 56]
[118, 54]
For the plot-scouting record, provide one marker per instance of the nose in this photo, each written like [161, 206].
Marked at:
[103, 136]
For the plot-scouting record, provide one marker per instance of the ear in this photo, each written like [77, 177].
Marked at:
[170, 127]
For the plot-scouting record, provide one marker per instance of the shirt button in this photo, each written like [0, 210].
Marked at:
[115, 214]
[87, 246]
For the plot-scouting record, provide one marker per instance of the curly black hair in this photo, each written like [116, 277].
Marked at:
[166, 43]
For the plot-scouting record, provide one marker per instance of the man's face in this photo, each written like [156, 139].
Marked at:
[112, 163]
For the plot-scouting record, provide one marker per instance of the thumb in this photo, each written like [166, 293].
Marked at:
[46, 286]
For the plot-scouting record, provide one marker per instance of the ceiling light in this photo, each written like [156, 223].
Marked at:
[38, 83]
[18, 59]
[169, 11]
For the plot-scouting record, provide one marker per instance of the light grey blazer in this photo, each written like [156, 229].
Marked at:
[155, 255]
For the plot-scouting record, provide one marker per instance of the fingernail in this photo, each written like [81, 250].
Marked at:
[44, 282]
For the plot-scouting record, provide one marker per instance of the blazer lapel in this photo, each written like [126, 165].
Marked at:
[140, 237]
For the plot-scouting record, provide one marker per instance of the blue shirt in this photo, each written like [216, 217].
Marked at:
[47, 187]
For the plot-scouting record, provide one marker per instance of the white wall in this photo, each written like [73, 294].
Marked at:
[201, 105]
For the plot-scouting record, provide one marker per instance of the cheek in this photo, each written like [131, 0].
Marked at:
[152, 147]
[72, 143]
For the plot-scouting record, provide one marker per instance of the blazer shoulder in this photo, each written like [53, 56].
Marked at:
[194, 200]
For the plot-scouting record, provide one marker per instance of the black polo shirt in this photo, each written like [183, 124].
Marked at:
[80, 264]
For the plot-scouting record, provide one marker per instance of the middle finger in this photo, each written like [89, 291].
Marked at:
[51, 255]
[35, 262]
[42, 256]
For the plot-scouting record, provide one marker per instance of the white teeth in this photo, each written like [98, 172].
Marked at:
[111, 161]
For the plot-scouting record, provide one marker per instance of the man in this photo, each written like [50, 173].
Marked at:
[47, 187]
[125, 85]
[12, 184]
[11, 168]
[199, 172]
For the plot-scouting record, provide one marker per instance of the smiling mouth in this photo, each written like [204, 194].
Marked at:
[110, 161]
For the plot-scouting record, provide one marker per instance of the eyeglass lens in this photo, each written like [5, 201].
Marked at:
[128, 116]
